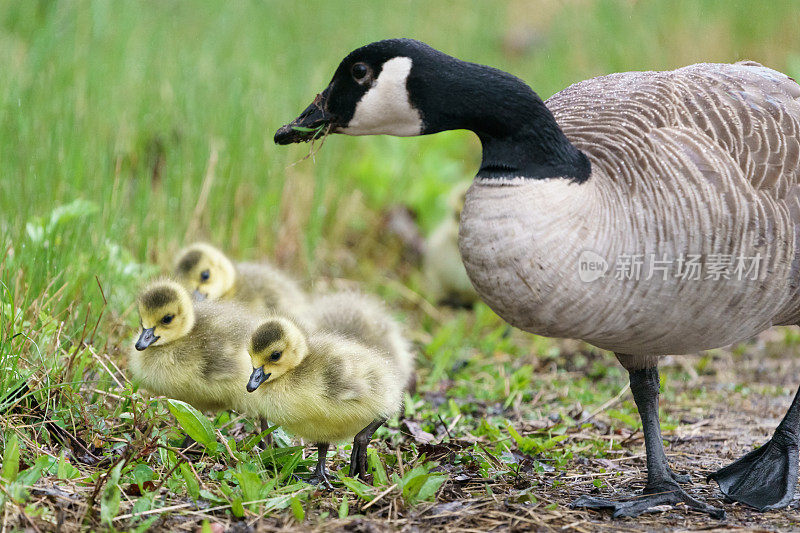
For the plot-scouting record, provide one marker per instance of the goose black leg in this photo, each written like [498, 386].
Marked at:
[662, 485]
[358, 458]
[320, 475]
[766, 478]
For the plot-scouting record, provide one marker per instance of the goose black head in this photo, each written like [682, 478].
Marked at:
[368, 94]
[404, 87]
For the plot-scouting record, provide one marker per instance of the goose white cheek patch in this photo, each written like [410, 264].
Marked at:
[385, 108]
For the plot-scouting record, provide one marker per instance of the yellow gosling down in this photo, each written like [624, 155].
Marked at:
[195, 352]
[208, 273]
[366, 320]
[326, 387]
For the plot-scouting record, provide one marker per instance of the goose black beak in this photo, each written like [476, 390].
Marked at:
[198, 296]
[146, 338]
[311, 124]
[257, 378]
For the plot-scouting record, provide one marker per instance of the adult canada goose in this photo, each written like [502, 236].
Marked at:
[332, 382]
[194, 352]
[206, 272]
[647, 213]
[442, 268]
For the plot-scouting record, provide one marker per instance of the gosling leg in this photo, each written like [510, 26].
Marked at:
[320, 474]
[358, 458]
[766, 477]
[662, 485]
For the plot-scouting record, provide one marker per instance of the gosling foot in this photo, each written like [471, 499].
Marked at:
[358, 457]
[320, 479]
[765, 478]
[320, 474]
[655, 495]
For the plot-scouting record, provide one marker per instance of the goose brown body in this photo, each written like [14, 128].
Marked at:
[703, 160]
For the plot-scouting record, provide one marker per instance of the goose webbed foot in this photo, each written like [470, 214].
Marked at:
[320, 474]
[662, 483]
[658, 494]
[766, 477]
[358, 457]
[679, 478]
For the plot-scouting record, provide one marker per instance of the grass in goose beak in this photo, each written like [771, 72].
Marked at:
[303, 129]
[320, 134]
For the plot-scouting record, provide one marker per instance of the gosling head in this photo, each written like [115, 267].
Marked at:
[166, 314]
[276, 347]
[205, 271]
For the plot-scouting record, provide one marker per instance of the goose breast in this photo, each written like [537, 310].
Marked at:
[697, 166]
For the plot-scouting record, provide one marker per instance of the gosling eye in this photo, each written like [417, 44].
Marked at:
[274, 356]
[360, 72]
[204, 275]
[167, 319]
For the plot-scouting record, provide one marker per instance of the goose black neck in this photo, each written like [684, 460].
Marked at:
[519, 135]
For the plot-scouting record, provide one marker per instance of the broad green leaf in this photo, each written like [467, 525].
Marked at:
[142, 473]
[10, 467]
[279, 502]
[344, 507]
[194, 423]
[297, 509]
[213, 498]
[65, 468]
[236, 506]
[360, 489]
[31, 475]
[379, 477]
[412, 487]
[143, 503]
[251, 485]
[429, 488]
[192, 485]
[109, 501]
[290, 465]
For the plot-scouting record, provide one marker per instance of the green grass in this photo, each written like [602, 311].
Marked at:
[130, 129]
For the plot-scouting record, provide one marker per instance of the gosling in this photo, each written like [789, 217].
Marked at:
[325, 386]
[194, 352]
[208, 273]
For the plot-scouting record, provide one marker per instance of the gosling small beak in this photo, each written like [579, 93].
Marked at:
[257, 378]
[146, 338]
[198, 296]
[309, 125]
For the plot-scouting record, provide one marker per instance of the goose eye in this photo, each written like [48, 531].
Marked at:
[274, 356]
[359, 71]
[204, 275]
[167, 319]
